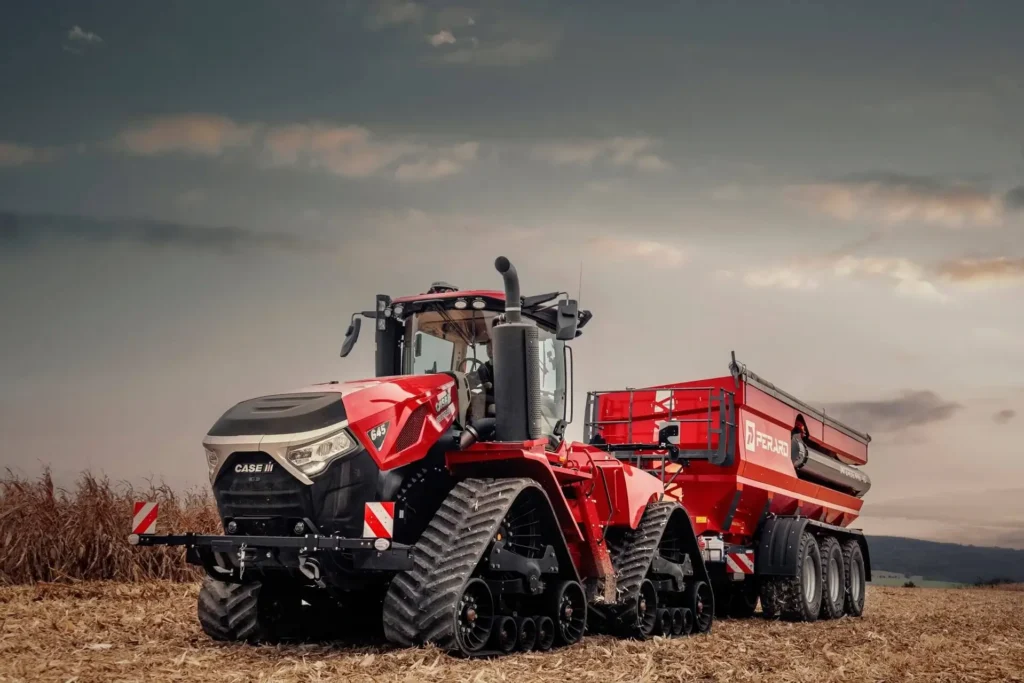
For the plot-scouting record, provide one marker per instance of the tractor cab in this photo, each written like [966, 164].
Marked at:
[446, 330]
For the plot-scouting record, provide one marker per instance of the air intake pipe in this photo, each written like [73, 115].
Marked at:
[516, 367]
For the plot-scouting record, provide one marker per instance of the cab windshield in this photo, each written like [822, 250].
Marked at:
[444, 340]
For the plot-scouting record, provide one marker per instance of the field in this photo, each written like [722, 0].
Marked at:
[104, 631]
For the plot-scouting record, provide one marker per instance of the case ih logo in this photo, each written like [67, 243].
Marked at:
[444, 399]
[254, 468]
[766, 442]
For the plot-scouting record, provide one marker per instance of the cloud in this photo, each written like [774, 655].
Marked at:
[78, 35]
[25, 229]
[442, 38]
[13, 154]
[908, 277]
[984, 273]
[386, 13]
[1004, 416]
[651, 253]
[511, 52]
[192, 134]
[897, 199]
[350, 151]
[910, 409]
[440, 164]
[631, 152]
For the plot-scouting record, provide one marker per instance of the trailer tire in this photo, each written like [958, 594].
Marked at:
[743, 601]
[833, 579]
[853, 567]
[796, 598]
[230, 611]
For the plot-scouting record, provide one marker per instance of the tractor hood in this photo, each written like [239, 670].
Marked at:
[395, 419]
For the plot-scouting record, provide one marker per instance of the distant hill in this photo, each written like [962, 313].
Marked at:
[945, 561]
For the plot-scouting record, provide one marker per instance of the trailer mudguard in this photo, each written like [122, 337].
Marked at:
[779, 543]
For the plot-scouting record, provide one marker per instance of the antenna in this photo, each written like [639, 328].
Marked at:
[579, 292]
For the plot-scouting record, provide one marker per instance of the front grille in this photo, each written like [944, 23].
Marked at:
[275, 496]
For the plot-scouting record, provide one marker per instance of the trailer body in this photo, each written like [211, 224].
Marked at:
[742, 456]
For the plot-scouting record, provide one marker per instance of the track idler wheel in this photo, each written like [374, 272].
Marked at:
[643, 616]
[474, 616]
[545, 633]
[701, 601]
[568, 607]
[527, 633]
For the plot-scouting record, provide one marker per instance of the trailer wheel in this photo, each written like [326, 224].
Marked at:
[804, 603]
[853, 566]
[796, 598]
[833, 574]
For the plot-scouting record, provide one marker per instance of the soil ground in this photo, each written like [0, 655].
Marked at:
[134, 632]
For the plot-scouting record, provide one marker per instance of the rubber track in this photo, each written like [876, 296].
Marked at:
[633, 558]
[420, 604]
[227, 611]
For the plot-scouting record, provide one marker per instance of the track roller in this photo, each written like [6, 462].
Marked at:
[678, 621]
[527, 633]
[545, 633]
[664, 621]
[688, 621]
[506, 634]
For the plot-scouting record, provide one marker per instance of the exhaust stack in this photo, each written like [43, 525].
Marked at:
[516, 367]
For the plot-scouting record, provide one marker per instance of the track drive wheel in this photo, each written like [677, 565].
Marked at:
[474, 616]
[833, 579]
[568, 609]
[700, 600]
[853, 566]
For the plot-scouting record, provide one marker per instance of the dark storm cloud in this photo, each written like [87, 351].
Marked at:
[1004, 416]
[911, 409]
[27, 229]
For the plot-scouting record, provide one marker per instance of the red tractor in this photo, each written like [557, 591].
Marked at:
[439, 499]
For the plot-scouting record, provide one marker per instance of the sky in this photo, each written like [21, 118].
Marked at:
[194, 197]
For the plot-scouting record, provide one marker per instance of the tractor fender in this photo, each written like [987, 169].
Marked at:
[779, 543]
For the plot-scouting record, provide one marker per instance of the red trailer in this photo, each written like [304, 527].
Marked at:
[770, 482]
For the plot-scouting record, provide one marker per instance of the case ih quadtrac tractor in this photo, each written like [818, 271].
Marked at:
[438, 502]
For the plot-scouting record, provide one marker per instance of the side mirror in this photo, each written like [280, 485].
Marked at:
[351, 336]
[568, 319]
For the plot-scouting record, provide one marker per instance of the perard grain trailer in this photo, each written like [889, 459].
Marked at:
[770, 482]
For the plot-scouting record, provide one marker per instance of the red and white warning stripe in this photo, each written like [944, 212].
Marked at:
[740, 563]
[379, 520]
[144, 518]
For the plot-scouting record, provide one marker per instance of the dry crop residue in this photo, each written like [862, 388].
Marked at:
[148, 632]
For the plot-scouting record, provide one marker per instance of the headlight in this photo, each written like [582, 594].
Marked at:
[314, 458]
[211, 462]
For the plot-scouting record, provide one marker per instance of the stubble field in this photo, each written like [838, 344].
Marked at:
[105, 631]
